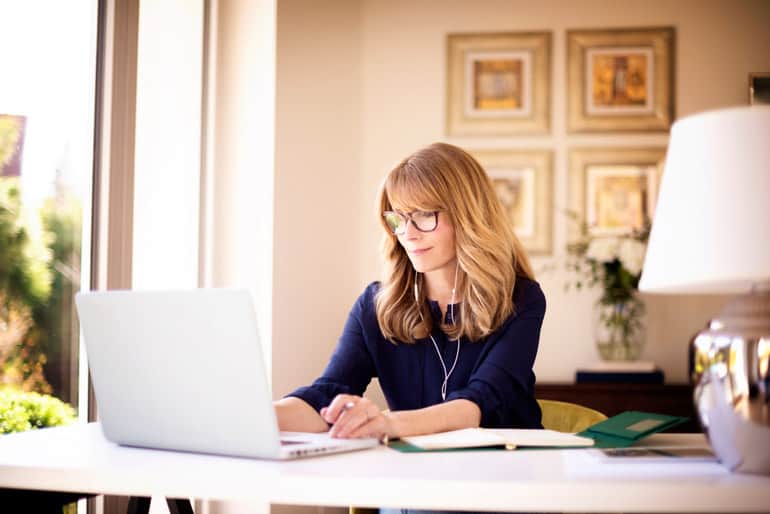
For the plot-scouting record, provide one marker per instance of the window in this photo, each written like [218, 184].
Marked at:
[46, 142]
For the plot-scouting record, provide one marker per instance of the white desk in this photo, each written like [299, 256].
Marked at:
[79, 459]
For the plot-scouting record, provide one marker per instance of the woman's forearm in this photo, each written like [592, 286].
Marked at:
[296, 415]
[452, 415]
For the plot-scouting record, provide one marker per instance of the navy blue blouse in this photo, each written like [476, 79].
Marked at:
[494, 373]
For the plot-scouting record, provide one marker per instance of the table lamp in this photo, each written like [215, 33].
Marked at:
[711, 234]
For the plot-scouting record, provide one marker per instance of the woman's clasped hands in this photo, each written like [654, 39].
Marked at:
[354, 417]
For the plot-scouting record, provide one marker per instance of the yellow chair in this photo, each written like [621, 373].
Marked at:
[568, 417]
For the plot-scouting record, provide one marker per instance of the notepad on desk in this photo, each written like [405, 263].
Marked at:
[509, 438]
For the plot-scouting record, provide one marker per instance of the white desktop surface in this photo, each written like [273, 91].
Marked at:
[79, 459]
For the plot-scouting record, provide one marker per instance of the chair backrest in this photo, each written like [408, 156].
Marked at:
[568, 417]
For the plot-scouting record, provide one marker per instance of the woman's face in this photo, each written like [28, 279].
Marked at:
[430, 251]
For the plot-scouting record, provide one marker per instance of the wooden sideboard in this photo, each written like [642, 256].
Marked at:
[612, 399]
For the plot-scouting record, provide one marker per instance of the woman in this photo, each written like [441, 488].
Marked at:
[451, 332]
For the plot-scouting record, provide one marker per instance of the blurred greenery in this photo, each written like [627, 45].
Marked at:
[10, 134]
[39, 274]
[22, 410]
[24, 273]
[25, 287]
[61, 217]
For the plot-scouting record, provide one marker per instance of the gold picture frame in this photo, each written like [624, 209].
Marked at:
[614, 190]
[498, 83]
[523, 181]
[620, 80]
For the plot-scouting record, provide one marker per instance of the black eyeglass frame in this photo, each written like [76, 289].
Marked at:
[407, 217]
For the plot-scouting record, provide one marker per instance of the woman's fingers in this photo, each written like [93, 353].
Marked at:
[377, 426]
[357, 421]
[350, 416]
[340, 404]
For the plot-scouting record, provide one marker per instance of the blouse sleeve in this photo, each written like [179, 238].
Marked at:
[351, 367]
[502, 384]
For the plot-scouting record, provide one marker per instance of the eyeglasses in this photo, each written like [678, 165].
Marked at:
[424, 221]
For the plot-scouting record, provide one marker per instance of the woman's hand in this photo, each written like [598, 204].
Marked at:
[353, 417]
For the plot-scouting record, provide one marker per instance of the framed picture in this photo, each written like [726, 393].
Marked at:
[523, 181]
[620, 79]
[759, 88]
[614, 190]
[498, 84]
[11, 144]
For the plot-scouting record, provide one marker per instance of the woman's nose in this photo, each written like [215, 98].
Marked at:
[410, 231]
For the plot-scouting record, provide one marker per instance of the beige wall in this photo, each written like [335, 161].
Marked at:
[237, 206]
[317, 184]
[361, 84]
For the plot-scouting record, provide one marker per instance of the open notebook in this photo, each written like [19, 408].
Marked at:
[509, 438]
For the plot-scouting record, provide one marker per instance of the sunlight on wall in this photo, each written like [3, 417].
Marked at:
[167, 160]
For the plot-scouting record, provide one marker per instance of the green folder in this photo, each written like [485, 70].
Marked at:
[628, 427]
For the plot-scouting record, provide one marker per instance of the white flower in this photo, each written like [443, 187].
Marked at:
[631, 254]
[603, 249]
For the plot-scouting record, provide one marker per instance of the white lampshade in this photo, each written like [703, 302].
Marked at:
[711, 231]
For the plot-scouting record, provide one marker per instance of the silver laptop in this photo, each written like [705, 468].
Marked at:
[183, 370]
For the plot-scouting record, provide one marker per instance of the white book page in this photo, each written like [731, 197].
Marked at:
[464, 438]
[542, 437]
[510, 437]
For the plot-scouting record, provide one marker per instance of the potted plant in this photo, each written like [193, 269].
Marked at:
[613, 263]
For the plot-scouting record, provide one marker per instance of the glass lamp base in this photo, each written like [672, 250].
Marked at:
[732, 393]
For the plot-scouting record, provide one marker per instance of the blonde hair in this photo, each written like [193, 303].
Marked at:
[445, 178]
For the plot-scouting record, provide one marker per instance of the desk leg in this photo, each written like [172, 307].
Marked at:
[22, 500]
[141, 505]
[138, 505]
[177, 506]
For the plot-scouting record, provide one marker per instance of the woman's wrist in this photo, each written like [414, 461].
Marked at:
[392, 426]
[452, 415]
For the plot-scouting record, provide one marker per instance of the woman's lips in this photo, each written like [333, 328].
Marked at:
[419, 251]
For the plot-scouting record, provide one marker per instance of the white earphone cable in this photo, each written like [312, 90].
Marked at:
[447, 374]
